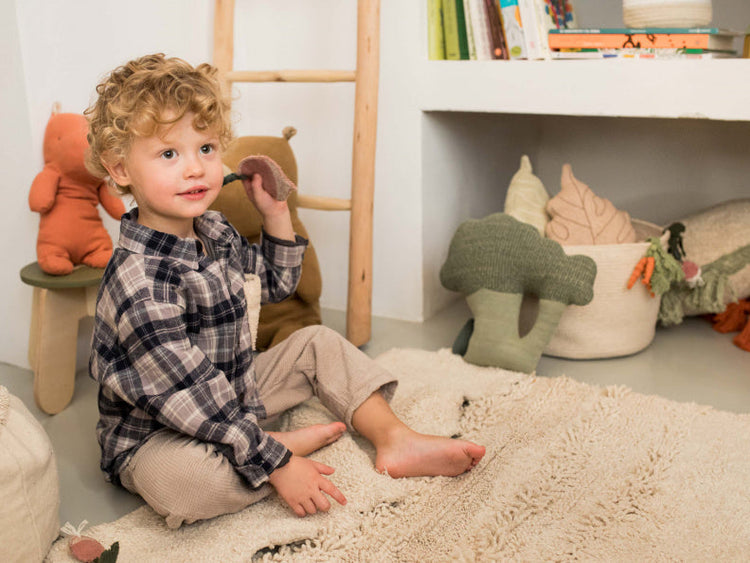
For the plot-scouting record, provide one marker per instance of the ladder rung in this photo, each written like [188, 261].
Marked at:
[323, 203]
[291, 76]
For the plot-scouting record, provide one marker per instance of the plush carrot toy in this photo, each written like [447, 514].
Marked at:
[657, 269]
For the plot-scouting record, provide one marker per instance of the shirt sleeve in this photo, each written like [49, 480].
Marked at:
[173, 381]
[277, 262]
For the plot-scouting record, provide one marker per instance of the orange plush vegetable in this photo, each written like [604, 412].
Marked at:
[659, 269]
[645, 266]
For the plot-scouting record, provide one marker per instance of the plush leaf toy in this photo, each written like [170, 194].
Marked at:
[66, 197]
[527, 199]
[579, 216]
[495, 261]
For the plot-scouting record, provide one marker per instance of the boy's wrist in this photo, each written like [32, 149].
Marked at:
[279, 224]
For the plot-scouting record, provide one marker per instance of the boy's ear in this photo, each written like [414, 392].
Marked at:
[117, 172]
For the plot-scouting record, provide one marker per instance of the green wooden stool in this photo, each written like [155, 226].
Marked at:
[59, 303]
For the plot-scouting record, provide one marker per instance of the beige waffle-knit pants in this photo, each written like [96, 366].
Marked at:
[185, 480]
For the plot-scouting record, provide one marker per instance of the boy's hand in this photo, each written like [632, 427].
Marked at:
[276, 218]
[301, 484]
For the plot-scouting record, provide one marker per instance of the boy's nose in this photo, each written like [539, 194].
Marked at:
[194, 167]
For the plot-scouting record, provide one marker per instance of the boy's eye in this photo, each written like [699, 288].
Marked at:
[207, 149]
[168, 154]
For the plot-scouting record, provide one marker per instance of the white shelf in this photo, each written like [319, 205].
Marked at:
[703, 89]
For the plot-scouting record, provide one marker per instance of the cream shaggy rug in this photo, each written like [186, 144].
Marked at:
[572, 472]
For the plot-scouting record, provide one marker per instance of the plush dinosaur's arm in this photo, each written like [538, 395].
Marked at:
[43, 190]
[111, 203]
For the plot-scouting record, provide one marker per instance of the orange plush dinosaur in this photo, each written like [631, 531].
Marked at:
[66, 196]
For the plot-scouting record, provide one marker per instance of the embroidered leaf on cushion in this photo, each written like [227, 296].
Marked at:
[578, 216]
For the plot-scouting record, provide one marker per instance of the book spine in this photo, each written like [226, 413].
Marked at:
[632, 41]
[694, 54]
[643, 31]
[450, 31]
[513, 29]
[470, 31]
[547, 21]
[564, 13]
[463, 40]
[530, 29]
[497, 37]
[481, 29]
[435, 41]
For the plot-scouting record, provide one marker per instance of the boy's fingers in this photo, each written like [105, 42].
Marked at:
[323, 468]
[309, 506]
[322, 502]
[331, 489]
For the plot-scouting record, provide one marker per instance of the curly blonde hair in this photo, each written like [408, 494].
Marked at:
[145, 94]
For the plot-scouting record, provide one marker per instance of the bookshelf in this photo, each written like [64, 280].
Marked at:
[660, 138]
[713, 89]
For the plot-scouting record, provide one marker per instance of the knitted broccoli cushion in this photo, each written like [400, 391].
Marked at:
[495, 262]
[29, 489]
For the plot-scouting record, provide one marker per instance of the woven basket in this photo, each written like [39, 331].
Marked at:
[666, 13]
[618, 321]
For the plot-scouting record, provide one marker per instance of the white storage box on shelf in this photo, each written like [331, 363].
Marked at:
[618, 321]
[666, 13]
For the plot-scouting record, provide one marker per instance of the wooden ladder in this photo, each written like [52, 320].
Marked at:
[360, 204]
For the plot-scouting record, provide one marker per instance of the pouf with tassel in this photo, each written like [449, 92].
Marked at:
[29, 487]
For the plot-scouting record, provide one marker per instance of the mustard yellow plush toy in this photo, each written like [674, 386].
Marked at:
[273, 158]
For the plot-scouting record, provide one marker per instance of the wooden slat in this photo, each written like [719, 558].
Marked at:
[359, 298]
[323, 203]
[224, 39]
[291, 76]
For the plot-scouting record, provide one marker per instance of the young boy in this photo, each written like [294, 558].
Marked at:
[182, 395]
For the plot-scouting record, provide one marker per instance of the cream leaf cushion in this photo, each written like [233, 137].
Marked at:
[527, 198]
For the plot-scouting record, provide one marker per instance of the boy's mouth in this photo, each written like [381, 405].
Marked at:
[196, 193]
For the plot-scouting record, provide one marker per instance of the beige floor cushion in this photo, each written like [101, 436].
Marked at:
[29, 487]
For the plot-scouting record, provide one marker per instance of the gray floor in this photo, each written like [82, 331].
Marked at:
[689, 363]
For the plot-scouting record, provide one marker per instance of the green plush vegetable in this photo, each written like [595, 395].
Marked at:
[495, 261]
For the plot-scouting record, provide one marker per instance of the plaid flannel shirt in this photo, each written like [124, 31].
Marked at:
[172, 347]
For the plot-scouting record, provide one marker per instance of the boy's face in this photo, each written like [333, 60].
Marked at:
[174, 176]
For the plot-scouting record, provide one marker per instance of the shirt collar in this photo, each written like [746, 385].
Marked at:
[140, 239]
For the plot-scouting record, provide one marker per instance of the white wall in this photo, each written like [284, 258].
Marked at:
[60, 50]
[17, 163]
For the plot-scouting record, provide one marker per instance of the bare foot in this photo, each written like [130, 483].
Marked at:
[307, 440]
[410, 454]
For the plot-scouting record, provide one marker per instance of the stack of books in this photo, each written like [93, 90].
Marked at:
[702, 43]
[494, 29]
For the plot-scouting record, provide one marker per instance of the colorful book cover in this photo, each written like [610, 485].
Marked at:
[497, 37]
[435, 41]
[513, 28]
[561, 12]
[546, 20]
